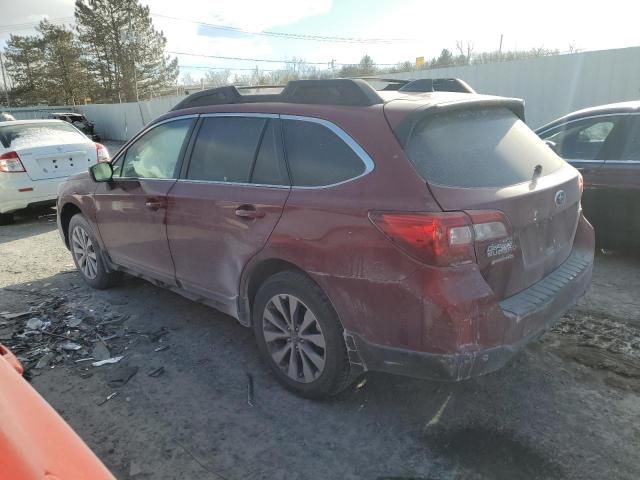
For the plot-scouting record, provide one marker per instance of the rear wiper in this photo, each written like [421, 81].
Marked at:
[537, 171]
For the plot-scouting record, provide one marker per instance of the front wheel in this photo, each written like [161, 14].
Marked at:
[300, 337]
[87, 255]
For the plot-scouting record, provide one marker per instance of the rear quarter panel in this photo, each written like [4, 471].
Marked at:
[375, 289]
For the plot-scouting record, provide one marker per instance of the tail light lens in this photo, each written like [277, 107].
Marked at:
[441, 239]
[102, 153]
[10, 163]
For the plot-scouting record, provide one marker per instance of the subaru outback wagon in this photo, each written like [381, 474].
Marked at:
[425, 234]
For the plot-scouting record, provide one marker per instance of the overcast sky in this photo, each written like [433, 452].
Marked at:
[413, 27]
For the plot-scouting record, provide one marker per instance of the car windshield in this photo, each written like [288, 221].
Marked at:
[487, 148]
[27, 135]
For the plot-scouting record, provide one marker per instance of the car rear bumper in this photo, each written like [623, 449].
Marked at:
[529, 314]
[12, 199]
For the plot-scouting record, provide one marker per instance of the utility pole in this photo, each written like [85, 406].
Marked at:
[500, 48]
[4, 81]
[332, 65]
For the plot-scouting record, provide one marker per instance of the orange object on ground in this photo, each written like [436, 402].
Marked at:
[35, 442]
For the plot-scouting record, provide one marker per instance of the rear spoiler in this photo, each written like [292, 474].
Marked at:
[437, 85]
[404, 131]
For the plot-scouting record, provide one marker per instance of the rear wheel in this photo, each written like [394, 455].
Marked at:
[300, 337]
[6, 218]
[87, 255]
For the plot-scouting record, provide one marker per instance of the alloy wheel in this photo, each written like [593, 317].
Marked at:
[84, 252]
[294, 338]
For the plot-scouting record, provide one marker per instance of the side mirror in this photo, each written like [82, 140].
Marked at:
[101, 172]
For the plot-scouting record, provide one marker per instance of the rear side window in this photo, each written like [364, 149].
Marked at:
[483, 148]
[39, 135]
[317, 156]
[631, 150]
[225, 149]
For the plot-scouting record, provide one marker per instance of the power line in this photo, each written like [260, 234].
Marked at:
[204, 67]
[29, 25]
[268, 60]
[296, 36]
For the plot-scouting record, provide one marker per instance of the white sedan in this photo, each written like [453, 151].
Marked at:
[35, 157]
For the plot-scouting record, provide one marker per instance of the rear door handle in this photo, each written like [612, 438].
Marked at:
[155, 203]
[249, 212]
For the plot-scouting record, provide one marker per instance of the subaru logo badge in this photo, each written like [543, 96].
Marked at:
[560, 198]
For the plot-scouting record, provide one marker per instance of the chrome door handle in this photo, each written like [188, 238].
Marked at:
[249, 213]
[155, 204]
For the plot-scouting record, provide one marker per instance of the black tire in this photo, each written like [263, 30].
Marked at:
[6, 218]
[335, 375]
[102, 277]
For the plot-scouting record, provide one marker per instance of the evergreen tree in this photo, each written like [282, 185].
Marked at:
[124, 51]
[25, 66]
[65, 80]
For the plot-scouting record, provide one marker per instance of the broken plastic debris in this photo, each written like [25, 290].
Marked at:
[74, 321]
[12, 316]
[107, 361]
[155, 336]
[361, 383]
[162, 348]
[250, 389]
[157, 372]
[34, 324]
[109, 397]
[122, 375]
[45, 360]
[100, 352]
[70, 346]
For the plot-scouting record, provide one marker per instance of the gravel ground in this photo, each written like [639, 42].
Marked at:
[568, 407]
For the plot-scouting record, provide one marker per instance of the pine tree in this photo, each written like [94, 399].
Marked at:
[25, 66]
[66, 80]
[125, 52]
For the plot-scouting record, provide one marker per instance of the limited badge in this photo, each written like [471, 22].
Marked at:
[501, 248]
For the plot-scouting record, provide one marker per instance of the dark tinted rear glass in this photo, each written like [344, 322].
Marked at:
[225, 148]
[317, 156]
[478, 148]
[269, 168]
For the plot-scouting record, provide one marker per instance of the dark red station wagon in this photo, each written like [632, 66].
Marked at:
[426, 234]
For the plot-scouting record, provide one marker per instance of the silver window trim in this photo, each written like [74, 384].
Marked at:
[242, 184]
[369, 166]
[240, 114]
[622, 162]
[126, 146]
[574, 120]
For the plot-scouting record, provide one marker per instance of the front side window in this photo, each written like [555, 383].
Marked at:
[317, 156]
[584, 139]
[225, 149]
[156, 153]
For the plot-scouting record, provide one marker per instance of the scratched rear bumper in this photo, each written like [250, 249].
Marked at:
[530, 313]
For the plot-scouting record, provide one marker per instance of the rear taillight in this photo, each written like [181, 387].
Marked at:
[10, 163]
[488, 225]
[102, 153]
[441, 239]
